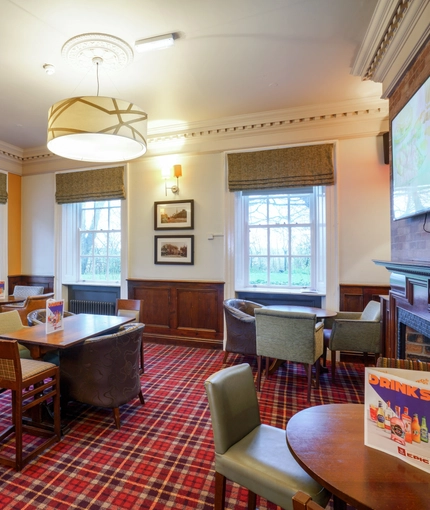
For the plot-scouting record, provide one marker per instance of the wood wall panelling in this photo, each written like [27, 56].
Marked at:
[47, 282]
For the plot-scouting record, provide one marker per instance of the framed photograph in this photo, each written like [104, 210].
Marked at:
[174, 250]
[174, 215]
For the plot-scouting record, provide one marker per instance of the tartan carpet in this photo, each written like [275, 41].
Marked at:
[162, 457]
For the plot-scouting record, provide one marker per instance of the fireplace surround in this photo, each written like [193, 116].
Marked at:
[407, 310]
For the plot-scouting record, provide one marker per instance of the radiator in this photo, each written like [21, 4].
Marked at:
[95, 307]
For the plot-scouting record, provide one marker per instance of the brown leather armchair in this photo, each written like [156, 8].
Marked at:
[31, 303]
[103, 371]
[240, 323]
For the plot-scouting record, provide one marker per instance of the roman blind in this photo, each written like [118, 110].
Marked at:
[90, 185]
[309, 165]
[3, 188]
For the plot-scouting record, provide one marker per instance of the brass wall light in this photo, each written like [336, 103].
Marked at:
[167, 173]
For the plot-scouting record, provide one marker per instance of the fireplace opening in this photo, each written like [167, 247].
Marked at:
[413, 336]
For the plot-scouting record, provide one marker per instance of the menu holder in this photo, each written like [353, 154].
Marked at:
[1, 289]
[54, 315]
[397, 406]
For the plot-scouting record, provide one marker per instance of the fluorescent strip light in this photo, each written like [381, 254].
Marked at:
[154, 43]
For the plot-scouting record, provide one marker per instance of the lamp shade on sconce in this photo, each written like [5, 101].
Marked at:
[97, 129]
[177, 171]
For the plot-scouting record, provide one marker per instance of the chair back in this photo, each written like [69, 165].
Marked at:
[39, 316]
[104, 370]
[10, 321]
[239, 307]
[372, 312]
[10, 365]
[233, 405]
[291, 336]
[129, 308]
[23, 291]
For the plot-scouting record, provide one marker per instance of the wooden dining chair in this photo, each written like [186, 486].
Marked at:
[132, 308]
[31, 383]
[302, 501]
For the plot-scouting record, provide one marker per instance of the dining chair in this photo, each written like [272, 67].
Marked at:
[31, 383]
[302, 501]
[247, 452]
[23, 291]
[31, 303]
[103, 371]
[354, 331]
[289, 336]
[11, 321]
[132, 308]
[38, 316]
[240, 327]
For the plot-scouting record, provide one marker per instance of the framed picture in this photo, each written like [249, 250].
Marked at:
[174, 215]
[174, 250]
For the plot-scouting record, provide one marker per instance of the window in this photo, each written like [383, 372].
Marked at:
[281, 238]
[100, 241]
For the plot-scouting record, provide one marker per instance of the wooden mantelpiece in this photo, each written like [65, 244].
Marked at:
[410, 293]
[181, 312]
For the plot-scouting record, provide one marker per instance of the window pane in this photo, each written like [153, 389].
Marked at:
[87, 205]
[279, 271]
[114, 265]
[300, 209]
[301, 240]
[301, 271]
[87, 243]
[86, 268]
[100, 266]
[278, 210]
[87, 219]
[257, 211]
[114, 244]
[100, 244]
[101, 219]
[258, 241]
[279, 241]
[101, 203]
[115, 218]
[258, 270]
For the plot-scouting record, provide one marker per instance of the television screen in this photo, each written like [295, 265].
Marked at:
[410, 143]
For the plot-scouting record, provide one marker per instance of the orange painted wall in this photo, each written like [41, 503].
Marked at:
[14, 224]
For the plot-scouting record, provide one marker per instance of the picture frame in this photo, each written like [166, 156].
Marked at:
[174, 215]
[174, 250]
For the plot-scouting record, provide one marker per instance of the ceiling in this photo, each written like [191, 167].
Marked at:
[231, 57]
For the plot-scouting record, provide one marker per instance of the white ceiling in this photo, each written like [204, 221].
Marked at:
[231, 57]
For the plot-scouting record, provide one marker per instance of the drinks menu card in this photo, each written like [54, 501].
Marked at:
[397, 406]
[54, 315]
[1, 289]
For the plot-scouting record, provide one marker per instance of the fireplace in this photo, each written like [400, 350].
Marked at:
[413, 336]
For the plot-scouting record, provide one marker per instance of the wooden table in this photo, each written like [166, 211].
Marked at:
[328, 442]
[8, 300]
[321, 313]
[77, 328]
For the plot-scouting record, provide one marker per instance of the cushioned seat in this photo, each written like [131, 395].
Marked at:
[240, 327]
[248, 452]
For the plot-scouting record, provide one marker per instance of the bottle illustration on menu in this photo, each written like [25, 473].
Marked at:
[388, 416]
[397, 427]
[380, 416]
[408, 425]
[416, 429]
[424, 433]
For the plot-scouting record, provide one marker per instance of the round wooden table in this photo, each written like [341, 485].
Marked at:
[328, 442]
[321, 313]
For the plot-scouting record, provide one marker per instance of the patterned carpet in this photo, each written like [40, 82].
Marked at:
[163, 455]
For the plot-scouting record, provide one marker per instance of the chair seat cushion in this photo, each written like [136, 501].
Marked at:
[262, 462]
[32, 367]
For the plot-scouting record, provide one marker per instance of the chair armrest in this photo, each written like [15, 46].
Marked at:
[319, 325]
[348, 315]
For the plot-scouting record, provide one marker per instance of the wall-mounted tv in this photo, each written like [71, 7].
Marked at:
[410, 145]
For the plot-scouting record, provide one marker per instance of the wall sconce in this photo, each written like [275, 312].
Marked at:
[177, 172]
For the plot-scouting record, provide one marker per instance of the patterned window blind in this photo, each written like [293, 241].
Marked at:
[3, 188]
[310, 165]
[90, 185]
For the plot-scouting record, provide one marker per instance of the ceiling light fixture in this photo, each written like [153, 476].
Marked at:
[154, 43]
[49, 68]
[96, 128]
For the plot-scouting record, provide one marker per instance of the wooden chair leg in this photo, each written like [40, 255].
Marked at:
[366, 359]
[220, 482]
[333, 365]
[267, 367]
[309, 374]
[142, 359]
[317, 373]
[225, 357]
[252, 500]
[259, 361]
[116, 417]
[141, 398]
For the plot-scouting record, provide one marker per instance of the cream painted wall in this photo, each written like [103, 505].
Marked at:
[363, 190]
[38, 201]
[202, 181]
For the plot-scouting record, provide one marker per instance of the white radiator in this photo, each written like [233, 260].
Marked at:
[95, 307]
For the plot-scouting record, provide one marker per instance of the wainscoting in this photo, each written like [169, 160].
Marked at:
[47, 282]
[181, 312]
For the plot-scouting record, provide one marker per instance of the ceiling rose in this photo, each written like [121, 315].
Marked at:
[81, 50]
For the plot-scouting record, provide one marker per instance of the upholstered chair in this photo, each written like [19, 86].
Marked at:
[247, 452]
[39, 316]
[23, 291]
[31, 303]
[103, 371]
[240, 325]
[289, 336]
[132, 308]
[354, 331]
[302, 501]
[9, 322]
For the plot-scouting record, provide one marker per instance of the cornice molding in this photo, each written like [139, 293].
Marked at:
[227, 133]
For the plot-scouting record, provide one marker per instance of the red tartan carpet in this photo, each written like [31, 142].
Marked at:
[163, 455]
